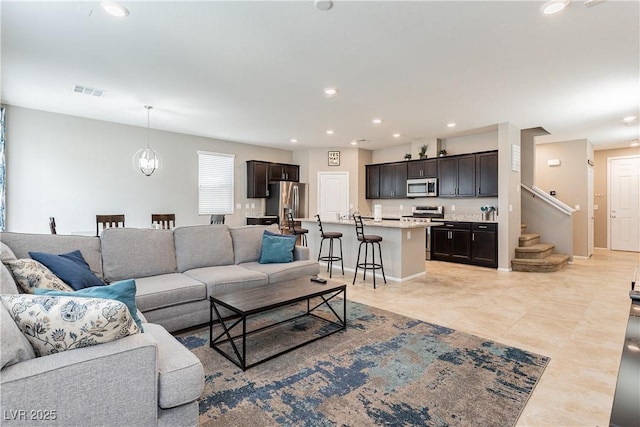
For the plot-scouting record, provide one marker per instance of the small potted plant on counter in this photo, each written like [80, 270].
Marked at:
[407, 156]
[443, 153]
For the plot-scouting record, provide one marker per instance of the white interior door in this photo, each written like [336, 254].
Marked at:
[624, 204]
[333, 194]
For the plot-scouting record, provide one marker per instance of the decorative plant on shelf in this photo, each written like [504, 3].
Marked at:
[423, 151]
[443, 153]
[407, 156]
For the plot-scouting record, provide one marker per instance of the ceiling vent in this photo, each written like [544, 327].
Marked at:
[88, 90]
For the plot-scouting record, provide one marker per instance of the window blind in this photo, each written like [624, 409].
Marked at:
[215, 183]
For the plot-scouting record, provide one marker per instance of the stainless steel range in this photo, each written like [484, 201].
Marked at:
[428, 214]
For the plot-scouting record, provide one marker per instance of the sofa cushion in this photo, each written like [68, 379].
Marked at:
[132, 253]
[6, 253]
[7, 284]
[123, 291]
[167, 290]
[30, 274]
[247, 241]
[225, 277]
[70, 267]
[277, 248]
[22, 243]
[281, 272]
[202, 246]
[15, 347]
[180, 373]
[56, 324]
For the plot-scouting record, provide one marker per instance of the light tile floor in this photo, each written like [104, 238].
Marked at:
[576, 316]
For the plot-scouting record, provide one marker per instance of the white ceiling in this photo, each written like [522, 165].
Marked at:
[255, 72]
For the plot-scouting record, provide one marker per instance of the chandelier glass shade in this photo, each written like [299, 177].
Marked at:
[146, 160]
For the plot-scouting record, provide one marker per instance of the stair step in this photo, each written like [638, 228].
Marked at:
[528, 239]
[523, 227]
[537, 251]
[553, 262]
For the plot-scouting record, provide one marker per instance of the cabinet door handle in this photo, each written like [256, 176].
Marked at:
[482, 226]
[473, 237]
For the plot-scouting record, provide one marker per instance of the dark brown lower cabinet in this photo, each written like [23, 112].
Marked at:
[465, 242]
[484, 245]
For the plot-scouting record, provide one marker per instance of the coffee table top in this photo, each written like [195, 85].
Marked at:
[274, 295]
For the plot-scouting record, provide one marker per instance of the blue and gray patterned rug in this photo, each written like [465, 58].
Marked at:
[385, 369]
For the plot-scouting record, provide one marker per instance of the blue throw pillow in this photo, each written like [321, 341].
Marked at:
[123, 291]
[277, 248]
[71, 268]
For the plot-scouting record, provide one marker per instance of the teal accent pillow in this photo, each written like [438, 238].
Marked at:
[277, 248]
[123, 291]
[71, 268]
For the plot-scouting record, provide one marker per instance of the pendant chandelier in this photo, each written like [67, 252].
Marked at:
[146, 160]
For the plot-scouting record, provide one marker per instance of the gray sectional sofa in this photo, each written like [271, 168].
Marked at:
[148, 378]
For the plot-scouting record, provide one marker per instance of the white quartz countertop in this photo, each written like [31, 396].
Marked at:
[384, 223]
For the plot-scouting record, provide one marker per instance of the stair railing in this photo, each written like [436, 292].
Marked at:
[549, 217]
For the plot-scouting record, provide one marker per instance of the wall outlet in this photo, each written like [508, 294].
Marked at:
[253, 205]
[595, 207]
[577, 207]
[401, 207]
[408, 235]
[238, 205]
[510, 208]
[246, 205]
[453, 207]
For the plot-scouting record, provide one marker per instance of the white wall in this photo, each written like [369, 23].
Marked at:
[74, 168]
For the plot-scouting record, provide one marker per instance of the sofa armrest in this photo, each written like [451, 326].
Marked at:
[301, 253]
[107, 384]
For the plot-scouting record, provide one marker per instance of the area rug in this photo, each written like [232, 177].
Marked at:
[385, 369]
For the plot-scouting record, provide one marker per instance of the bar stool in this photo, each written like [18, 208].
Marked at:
[330, 258]
[302, 232]
[366, 240]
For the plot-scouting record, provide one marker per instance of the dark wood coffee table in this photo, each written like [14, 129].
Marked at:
[245, 303]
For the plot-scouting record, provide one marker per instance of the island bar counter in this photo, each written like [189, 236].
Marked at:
[403, 246]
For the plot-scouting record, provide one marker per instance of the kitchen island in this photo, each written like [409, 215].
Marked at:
[403, 245]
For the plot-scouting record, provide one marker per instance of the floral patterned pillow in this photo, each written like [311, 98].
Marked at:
[57, 324]
[30, 274]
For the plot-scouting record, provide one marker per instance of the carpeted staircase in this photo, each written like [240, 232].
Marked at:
[536, 257]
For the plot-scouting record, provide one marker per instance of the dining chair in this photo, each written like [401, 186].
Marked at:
[52, 225]
[107, 221]
[217, 219]
[166, 221]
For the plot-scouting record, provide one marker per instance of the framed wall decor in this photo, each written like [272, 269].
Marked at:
[334, 158]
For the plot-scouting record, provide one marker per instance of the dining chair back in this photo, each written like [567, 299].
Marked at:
[217, 219]
[52, 225]
[166, 221]
[106, 221]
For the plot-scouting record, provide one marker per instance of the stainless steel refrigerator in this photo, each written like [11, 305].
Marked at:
[285, 197]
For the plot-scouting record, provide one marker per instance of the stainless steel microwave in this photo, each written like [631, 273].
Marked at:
[422, 187]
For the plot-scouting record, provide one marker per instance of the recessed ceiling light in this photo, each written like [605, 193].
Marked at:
[330, 91]
[323, 4]
[396, 135]
[354, 142]
[554, 6]
[376, 121]
[329, 132]
[451, 125]
[114, 8]
[294, 140]
[629, 119]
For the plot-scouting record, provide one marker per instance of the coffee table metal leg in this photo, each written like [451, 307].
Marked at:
[227, 331]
